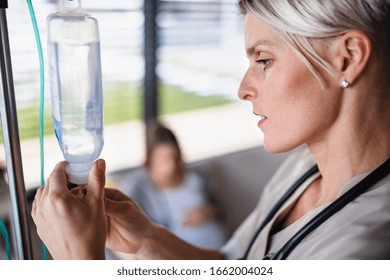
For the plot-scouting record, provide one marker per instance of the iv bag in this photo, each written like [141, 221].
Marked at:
[76, 87]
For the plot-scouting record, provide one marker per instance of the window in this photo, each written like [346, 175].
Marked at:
[200, 62]
[202, 53]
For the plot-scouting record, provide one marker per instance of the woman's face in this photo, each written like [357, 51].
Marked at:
[164, 160]
[292, 107]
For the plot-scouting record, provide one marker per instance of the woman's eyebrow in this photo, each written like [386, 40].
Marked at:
[252, 49]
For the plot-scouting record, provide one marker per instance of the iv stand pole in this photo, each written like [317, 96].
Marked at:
[9, 122]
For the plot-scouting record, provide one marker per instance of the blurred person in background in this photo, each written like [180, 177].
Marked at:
[175, 196]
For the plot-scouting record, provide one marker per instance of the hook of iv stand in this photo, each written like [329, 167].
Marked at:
[72, 6]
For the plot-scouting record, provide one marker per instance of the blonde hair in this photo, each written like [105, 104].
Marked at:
[302, 22]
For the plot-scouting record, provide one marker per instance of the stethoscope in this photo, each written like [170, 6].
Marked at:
[360, 188]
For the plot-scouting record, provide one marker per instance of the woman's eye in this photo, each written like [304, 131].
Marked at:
[264, 63]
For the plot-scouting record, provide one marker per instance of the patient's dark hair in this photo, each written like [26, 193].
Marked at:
[156, 134]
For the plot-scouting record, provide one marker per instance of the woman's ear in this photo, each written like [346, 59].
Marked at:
[354, 52]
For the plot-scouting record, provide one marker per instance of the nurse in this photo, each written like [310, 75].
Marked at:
[318, 83]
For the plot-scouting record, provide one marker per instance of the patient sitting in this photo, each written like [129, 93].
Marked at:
[174, 196]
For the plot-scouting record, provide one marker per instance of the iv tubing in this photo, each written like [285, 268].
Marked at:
[4, 233]
[42, 87]
[41, 102]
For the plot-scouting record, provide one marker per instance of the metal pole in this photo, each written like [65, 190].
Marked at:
[9, 122]
[150, 48]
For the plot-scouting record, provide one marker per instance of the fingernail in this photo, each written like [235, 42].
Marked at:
[101, 164]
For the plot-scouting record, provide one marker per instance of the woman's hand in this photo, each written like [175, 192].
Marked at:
[70, 226]
[130, 231]
[128, 228]
[198, 215]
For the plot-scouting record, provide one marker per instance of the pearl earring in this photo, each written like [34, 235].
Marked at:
[344, 84]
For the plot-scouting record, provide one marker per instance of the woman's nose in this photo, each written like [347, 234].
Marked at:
[247, 90]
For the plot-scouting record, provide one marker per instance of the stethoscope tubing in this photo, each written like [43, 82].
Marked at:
[360, 188]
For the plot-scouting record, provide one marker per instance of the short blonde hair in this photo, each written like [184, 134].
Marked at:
[301, 22]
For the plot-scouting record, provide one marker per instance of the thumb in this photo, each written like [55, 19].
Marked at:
[117, 209]
[97, 180]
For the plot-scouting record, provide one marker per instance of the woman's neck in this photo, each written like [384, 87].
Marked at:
[357, 143]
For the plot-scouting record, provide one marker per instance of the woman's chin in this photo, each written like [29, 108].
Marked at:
[278, 146]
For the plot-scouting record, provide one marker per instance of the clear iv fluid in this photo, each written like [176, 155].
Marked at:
[78, 114]
[76, 90]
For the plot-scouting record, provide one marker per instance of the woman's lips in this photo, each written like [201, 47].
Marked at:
[262, 119]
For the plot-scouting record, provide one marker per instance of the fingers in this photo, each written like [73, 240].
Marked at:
[116, 209]
[97, 180]
[57, 182]
[115, 195]
[37, 198]
[38, 194]
[118, 204]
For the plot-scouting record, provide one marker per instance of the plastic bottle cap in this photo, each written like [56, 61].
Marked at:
[78, 172]
[69, 6]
